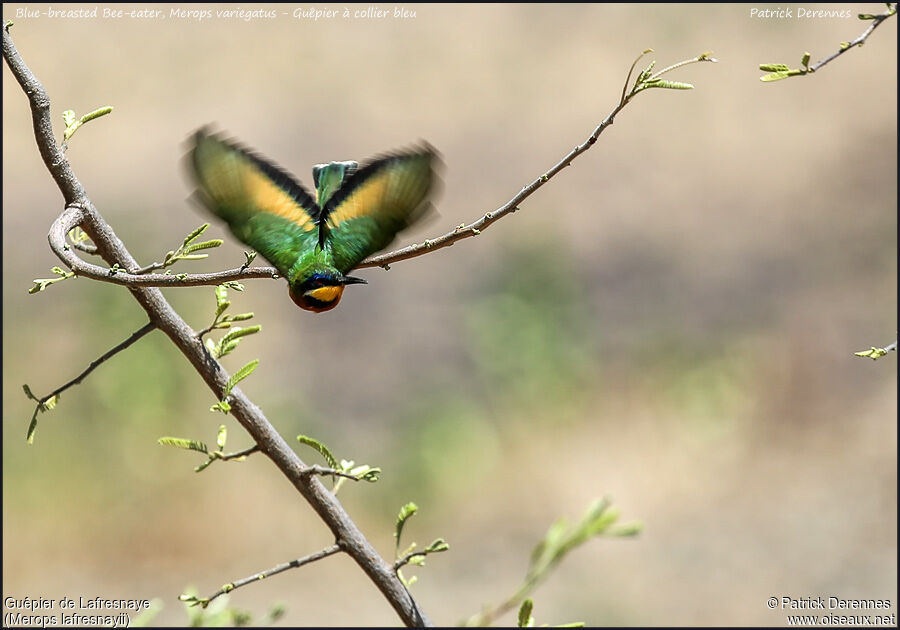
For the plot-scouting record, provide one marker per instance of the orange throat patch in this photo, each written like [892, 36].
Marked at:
[319, 300]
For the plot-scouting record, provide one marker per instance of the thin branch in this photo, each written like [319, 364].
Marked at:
[45, 403]
[148, 327]
[87, 248]
[79, 209]
[147, 269]
[75, 215]
[237, 454]
[876, 21]
[402, 562]
[281, 568]
[330, 472]
[489, 218]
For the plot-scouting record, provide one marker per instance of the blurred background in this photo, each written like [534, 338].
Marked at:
[670, 322]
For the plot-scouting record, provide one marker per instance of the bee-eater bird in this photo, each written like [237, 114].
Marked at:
[313, 242]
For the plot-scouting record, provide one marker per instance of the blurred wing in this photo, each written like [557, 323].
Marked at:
[263, 205]
[375, 203]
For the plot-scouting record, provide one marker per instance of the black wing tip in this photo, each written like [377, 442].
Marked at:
[374, 164]
[281, 176]
[421, 148]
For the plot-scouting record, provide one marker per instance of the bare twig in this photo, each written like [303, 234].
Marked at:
[402, 562]
[148, 327]
[42, 402]
[330, 472]
[876, 21]
[80, 210]
[237, 454]
[256, 577]
[87, 248]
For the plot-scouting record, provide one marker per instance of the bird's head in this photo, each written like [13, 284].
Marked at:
[321, 290]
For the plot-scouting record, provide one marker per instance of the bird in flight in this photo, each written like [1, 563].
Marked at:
[314, 242]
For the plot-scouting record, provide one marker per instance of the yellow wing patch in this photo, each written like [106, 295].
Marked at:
[236, 180]
[268, 197]
[363, 201]
[395, 189]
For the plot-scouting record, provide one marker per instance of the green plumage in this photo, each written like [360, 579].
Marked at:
[313, 242]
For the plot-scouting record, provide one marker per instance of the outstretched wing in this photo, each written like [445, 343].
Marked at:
[263, 205]
[376, 202]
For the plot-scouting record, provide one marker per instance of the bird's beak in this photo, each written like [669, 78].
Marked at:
[352, 280]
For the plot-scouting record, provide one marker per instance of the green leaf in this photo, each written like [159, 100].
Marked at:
[191, 445]
[28, 392]
[222, 436]
[775, 76]
[866, 16]
[97, 113]
[405, 513]
[805, 60]
[774, 67]
[233, 284]
[437, 546]
[669, 85]
[32, 426]
[239, 317]
[204, 245]
[276, 612]
[227, 348]
[872, 353]
[221, 294]
[222, 406]
[68, 117]
[237, 332]
[323, 450]
[364, 472]
[221, 307]
[197, 232]
[204, 465]
[240, 375]
[250, 256]
[631, 529]
[525, 618]
[77, 235]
